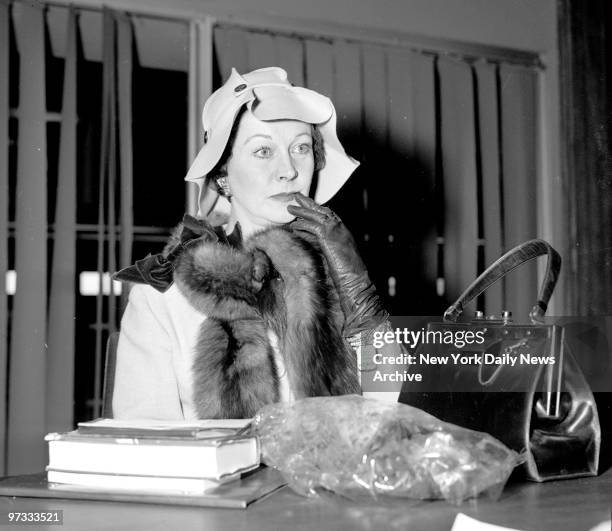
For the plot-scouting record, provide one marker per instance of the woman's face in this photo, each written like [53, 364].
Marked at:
[269, 161]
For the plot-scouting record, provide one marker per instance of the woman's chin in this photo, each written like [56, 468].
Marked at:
[280, 216]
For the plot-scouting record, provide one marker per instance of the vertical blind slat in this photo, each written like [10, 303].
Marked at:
[403, 263]
[26, 447]
[375, 143]
[491, 185]
[231, 51]
[348, 95]
[291, 57]
[401, 97]
[107, 77]
[459, 174]
[60, 356]
[111, 250]
[4, 213]
[518, 100]
[348, 102]
[262, 51]
[200, 88]
[424, 116]
[125, 40]
[319, 67]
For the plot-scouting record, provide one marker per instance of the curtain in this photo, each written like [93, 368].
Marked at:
[448, 153]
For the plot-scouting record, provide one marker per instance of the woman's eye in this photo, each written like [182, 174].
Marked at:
[302, 149]
[263, 152]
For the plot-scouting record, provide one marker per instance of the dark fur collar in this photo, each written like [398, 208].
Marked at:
[277, 281]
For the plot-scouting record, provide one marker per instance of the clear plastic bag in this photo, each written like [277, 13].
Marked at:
[352, 446]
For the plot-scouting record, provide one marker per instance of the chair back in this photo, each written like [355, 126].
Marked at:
[109, 375]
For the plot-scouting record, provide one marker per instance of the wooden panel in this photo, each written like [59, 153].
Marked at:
[231, 51]
[290, 56]
[519, 140]
[4, 212]
[261, 50]
[60, 355]
[459, 175]
[26, 447]
[488, 126]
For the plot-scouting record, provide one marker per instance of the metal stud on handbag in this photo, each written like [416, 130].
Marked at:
[539, 404]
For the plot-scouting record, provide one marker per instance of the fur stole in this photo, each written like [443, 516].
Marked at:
[276, 281]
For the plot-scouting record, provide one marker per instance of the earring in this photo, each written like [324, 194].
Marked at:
[223, 186]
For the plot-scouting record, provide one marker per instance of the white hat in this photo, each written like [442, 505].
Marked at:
[269, 96]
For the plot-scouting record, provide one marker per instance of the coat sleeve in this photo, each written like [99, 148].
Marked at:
[145, 380]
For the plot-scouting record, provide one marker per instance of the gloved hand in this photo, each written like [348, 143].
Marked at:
[361, 305]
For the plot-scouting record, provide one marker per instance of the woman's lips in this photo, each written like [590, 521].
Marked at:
[284, 197]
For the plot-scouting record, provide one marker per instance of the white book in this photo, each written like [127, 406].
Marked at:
[144, 484]
[188, 457]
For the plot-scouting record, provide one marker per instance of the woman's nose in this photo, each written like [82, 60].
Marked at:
[287, 170]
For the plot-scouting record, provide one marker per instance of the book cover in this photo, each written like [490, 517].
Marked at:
[138, 483]
[210, 457]
[236, 494]
[198, 429]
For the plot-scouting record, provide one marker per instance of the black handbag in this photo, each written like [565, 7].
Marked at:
[540, 405]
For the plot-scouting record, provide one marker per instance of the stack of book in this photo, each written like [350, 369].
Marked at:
[148, 456]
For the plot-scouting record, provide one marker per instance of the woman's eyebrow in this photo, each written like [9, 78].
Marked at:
[256, 135]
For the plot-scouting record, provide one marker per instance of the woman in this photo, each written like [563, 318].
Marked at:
[257, 310]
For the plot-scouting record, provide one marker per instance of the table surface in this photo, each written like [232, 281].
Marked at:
[577, 504]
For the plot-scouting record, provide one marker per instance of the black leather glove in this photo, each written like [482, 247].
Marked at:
[361, 305]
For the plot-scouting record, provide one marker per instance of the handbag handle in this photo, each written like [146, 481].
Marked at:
[515, 257]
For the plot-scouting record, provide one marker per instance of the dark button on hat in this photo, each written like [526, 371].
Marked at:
[240, 88]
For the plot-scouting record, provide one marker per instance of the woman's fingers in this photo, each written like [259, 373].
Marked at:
[306, 213]
[306, 202]
[303, 225]
[308, 236]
